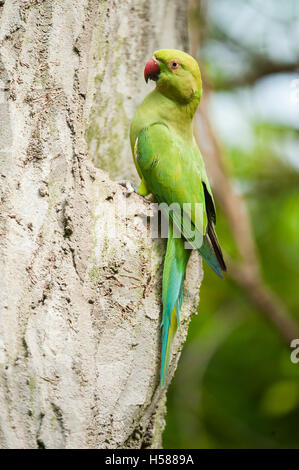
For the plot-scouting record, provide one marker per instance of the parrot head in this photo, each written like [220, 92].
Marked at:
[177, 75]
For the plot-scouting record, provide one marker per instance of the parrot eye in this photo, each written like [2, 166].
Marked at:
[174, 65]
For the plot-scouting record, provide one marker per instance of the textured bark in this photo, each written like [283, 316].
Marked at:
[80, 305]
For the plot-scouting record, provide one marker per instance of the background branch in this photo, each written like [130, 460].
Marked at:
[247, 271]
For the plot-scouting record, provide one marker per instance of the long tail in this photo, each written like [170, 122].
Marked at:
[174, 272]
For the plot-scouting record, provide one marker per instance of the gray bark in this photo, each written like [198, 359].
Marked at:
[80, 305]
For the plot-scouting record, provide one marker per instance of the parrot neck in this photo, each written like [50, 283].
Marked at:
[178, 115]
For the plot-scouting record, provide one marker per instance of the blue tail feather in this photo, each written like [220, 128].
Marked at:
[175, 264]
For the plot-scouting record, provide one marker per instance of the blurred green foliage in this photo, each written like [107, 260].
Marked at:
[236, 386]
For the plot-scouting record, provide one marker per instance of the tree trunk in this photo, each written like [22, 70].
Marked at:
[80, 278]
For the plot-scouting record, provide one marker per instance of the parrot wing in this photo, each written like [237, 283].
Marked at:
[174, 172]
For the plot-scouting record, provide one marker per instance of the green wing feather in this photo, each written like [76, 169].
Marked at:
[172, 171]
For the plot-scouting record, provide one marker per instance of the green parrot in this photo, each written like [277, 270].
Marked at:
[171, 168]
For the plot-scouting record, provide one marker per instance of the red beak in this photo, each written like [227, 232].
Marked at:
[151, 70]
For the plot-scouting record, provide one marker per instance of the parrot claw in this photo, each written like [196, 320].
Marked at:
[129, 187]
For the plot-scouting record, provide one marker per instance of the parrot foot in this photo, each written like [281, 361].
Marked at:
[129, 187]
